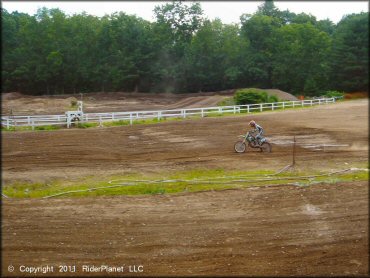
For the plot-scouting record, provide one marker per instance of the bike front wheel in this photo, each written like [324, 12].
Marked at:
[240, 147]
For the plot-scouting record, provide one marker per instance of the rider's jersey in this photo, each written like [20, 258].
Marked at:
[259, 129]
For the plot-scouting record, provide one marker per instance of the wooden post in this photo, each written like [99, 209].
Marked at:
[202, 112]
[293, 162]
[261, 107]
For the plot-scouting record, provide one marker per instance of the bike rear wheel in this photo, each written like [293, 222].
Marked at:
[266, 147]
[240, 147]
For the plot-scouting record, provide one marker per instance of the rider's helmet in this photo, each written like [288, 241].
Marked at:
[252, 123]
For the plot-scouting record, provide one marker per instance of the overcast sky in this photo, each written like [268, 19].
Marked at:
[227, 11]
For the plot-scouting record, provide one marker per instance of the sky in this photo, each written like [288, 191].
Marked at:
[227, 11]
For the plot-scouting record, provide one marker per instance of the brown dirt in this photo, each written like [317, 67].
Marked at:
[284, 230]
[20, 104]
[281, 230]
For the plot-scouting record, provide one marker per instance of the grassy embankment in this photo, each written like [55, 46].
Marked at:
[189, 181]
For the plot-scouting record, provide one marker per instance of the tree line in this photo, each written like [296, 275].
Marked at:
[182, 51]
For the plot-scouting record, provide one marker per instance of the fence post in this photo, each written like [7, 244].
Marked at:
[293, 103]
[112, 116]
[319, 101]
[184, 113]
[131, 118]
[159, 115]
[247, 108]
[33, 125]
[7, 123]
[261, 107]
[28, 120]
[311, 102]
[272, 106]
[283, 104]
[202, 111]
[302, 103]
[100, 122]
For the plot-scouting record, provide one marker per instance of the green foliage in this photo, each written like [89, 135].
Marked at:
[252, 96]
[350, 54]
[334, 94]
[87, 125]
[47, 127]
[55, 53]
[73, 103]
[184, 181]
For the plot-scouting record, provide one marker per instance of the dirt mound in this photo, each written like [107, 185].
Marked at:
[278, 93]
[119, 101]
[13, 95]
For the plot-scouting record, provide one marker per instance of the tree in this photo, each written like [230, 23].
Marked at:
[175, 26]
[350, 55]
[259, 30]
[300, 63]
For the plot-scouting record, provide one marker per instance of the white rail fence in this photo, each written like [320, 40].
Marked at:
[42, 120]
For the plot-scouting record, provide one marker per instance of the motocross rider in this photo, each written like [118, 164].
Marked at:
[257, 129]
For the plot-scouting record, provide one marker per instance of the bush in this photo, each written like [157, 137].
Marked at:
[334, 94]
[252, 96]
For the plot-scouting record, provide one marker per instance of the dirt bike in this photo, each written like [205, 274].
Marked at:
[251, 141]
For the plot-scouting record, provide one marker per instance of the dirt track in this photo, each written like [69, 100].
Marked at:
[205, 143]
[285, 230]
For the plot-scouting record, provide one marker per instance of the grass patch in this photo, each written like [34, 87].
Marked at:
[185, 181]
[86, 125]
[47, 127]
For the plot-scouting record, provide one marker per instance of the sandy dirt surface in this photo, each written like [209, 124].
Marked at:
[19, 104]
[281, 230]
[327, 137]
[277, 230]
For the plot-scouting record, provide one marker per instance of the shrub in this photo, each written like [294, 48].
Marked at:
[334, 94]
[73, 102]
[252, 96]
